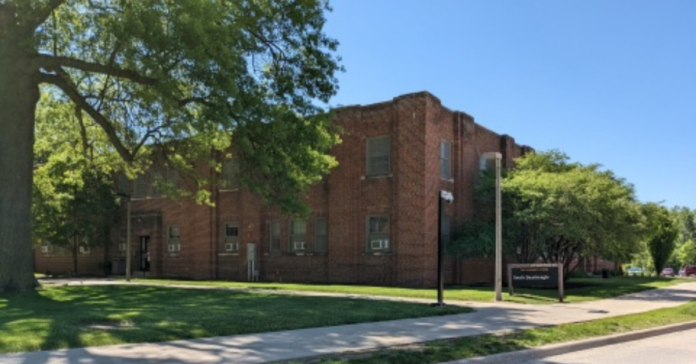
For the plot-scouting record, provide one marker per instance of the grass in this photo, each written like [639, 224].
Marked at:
[587, 289]
[80, 316]
[468, 347]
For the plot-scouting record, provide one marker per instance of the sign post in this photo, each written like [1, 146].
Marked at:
[536, 275]
[447, 197]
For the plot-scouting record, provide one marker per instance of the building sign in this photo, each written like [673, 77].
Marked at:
[536, 275]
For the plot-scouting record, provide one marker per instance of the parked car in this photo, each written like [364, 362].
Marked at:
[634, 271]
[688, 270]
[667, 272]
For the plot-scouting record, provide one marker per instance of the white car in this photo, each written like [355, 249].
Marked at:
[634, 271]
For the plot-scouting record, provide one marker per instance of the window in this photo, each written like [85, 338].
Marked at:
[174, 240]
[141, 186]
[378, 233]
[378, 156]
[164, 181]
[298, 235]
[320, 235]
[231, 238]
[47, 248]
[274, 240]
[230, 174]
[445, 159]
[83, 247]
[487, 164]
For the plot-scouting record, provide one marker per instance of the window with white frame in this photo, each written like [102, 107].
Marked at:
[231, 238]
[274, 238]
[378, 233]
[445, 159]
[321, 236]
[174, 240]
[378, 156]
[298, 235]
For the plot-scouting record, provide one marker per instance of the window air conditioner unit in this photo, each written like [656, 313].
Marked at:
[45, 249]
[231, 247]
[299, 245]
[379, 244]
[173, 248]
[84, 249]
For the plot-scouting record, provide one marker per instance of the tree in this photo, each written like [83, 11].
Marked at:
[154, 71]
[557, 211]
[686, 253]
[74, 199]
[662, 234]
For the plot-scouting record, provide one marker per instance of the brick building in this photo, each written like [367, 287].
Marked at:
[373, 220]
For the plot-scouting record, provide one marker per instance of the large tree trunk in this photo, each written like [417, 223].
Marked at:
[19, 94]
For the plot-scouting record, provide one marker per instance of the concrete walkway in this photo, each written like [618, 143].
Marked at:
[286, 345]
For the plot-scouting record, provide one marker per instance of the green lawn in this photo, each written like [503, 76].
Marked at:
[467, 347]
[593, 289]
[78, 316]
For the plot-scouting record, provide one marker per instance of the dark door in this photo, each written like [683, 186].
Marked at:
[144, 253]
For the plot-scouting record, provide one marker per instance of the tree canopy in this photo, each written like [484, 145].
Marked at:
[74, 197]
[557, 211]
[250, 76]
[662, 234]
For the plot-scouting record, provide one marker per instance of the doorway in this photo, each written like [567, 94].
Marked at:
[144, 253]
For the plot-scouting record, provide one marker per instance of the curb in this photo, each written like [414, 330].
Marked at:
[563, 348]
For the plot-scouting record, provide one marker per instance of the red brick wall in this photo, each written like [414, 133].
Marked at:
[416, 124]
[60, 262]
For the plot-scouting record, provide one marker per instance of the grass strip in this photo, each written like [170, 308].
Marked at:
[81, 316]
[473, 346]
[579, 289]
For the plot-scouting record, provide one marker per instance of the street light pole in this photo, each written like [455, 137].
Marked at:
[128, 239]
[498, 233]
[498, 227]
[447, 197]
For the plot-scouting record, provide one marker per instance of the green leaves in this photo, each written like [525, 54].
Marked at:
[172, 79]
[557, 211]
[661, 233]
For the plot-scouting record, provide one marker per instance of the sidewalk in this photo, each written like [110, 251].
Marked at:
[294, 344]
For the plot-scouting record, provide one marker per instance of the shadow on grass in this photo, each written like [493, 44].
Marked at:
[78, 316]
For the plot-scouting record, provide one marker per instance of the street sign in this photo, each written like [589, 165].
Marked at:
[537, 276]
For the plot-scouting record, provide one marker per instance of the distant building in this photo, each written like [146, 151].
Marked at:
[373, 221]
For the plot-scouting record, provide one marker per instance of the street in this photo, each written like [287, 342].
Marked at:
[673, 348]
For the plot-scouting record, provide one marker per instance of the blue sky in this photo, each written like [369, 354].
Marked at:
[609, 82]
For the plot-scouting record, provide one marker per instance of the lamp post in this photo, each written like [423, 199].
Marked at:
[498, 227]
[447, 197]
[128, 230]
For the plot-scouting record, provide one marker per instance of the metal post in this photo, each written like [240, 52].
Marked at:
[128, 239]
[498, 233]
[440, 280]
[446, 196]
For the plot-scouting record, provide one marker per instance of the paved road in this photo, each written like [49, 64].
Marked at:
[673, 348]
[287, 345]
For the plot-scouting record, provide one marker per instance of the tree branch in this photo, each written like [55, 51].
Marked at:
[199, 100]
[80, 102]
[52, 63]
[40, 15]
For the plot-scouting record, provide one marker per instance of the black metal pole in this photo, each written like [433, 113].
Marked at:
[440, 277]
